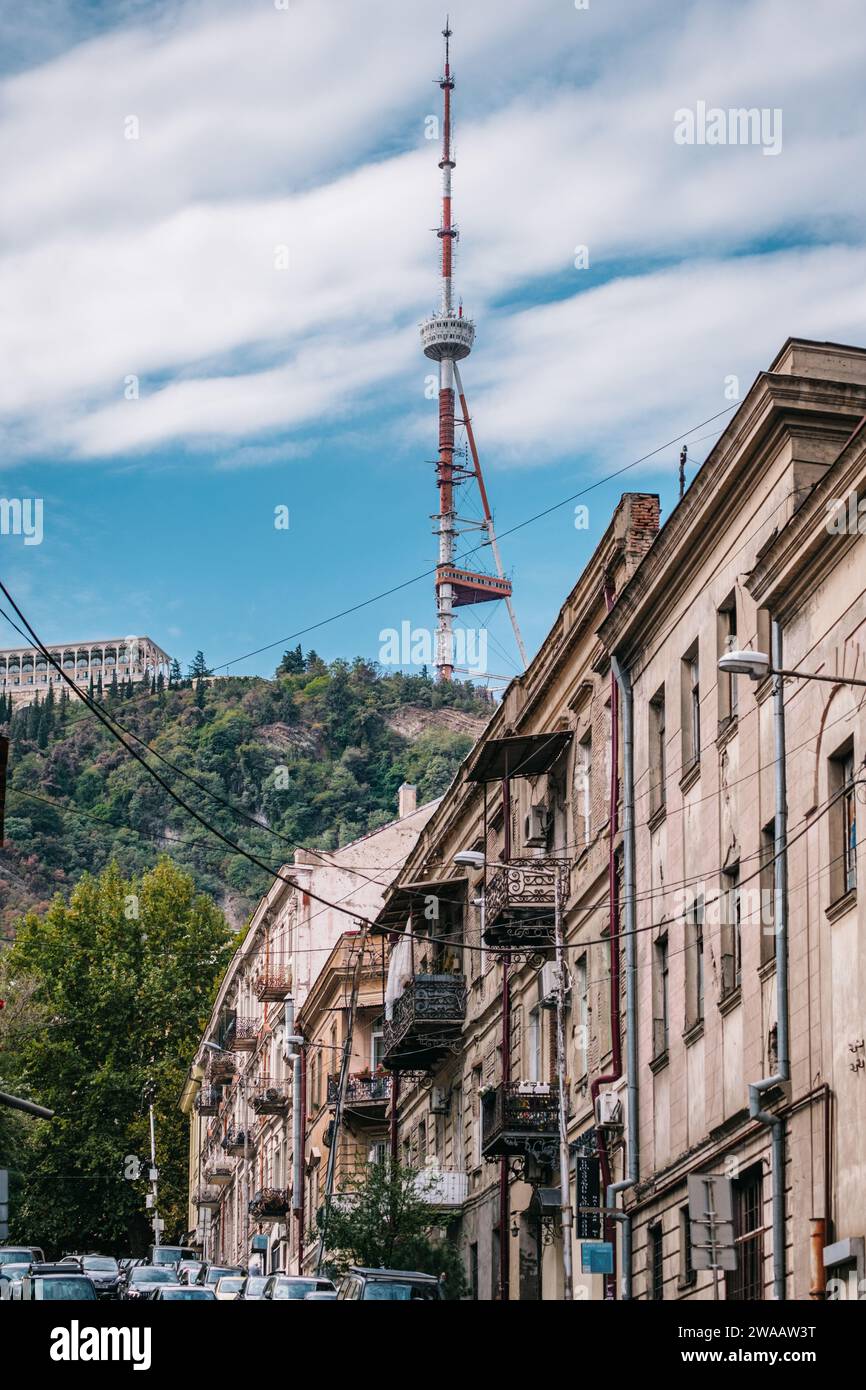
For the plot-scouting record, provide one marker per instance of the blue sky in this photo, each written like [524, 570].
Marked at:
[297, 133]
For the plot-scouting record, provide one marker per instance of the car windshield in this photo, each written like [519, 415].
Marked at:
[256, 1284]
[185, 1293]
[214, 1274]
[15, 1257]
[145, 1275]
[230, 1285]
[394, 1289]
[100, 1262]
[166, 1256]
[294, 1288]
[67, 1286]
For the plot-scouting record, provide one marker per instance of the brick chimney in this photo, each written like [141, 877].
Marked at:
[408, 800]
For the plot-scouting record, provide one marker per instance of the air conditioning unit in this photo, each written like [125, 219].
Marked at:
[535, 827]
[608, 1110]
[550, 985]
[440, 1100]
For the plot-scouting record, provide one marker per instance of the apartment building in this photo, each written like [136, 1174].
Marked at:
[240, 1095]
[469, 1036]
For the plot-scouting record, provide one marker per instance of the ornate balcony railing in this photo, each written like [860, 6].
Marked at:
[207, 1101]
[516, 1121]
[362, 1090]
[269, 1204]
[221, 1069]
[241, 1035]
[269, 1097]
[519, 902]
[208, 1197]
[273, 983]
[238, 1142]
[426, 1024]
[218, 1171]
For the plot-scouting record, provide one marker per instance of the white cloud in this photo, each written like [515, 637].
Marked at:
[260, 128]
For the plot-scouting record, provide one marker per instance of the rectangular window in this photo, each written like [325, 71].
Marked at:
[656, 1264]
[695, 963]
[746, 1283]
[583, 791]
[535, 1058]
[691, 709]
[473, 1270]
[581, 990]
[660, 996]
[732, 961]
[843, 823]
[768, 892]
[726, 628]
[687, 1272]
[657, 760]
[375, 1049]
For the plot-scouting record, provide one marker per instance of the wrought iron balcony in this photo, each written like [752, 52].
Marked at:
[269, 1097]
[218, 1171]
[269, 1204]
[273, 983]
[518, 1122]
[208, 1197]
[238, 1142]
[241, 1035]
[364, 1093]
[519, 902]
[427, 1023]
[207, 1101]
[221, 1069]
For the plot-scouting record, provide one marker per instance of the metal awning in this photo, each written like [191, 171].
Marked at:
[546, 1201]
[401, 901]
[524, 755]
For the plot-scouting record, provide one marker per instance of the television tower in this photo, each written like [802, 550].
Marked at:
[447, 338]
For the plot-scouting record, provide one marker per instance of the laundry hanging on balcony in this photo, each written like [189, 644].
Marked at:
[400, 970]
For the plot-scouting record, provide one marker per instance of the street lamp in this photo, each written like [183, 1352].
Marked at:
[470, 859]
[757, 665]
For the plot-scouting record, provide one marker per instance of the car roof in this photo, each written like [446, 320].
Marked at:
[393, 1274]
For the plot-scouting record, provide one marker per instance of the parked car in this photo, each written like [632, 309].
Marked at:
[211, 1274]
[170, 1254]
[60, 1281]
[183, 1293]
[10, 1279]
[143, 1280]
[20, 1254]
[253, 1287]
[281, 1287]
[400, 1285]
[102, 1269]
[187, 1271]
[321, 1296]
[228, 1287]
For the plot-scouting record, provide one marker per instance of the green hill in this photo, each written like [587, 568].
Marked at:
[315, 756]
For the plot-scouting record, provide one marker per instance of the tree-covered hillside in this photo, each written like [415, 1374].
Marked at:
[310, 755]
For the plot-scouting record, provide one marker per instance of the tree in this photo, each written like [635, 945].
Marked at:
[292, 663]
[175, 675]
[198, 667]
[112, 689]
[386, 1219]
[125, 973]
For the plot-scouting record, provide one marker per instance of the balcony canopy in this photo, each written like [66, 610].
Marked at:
[409, 899]
[524, 755]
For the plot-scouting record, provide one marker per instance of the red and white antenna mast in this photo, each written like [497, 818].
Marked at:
[447, 338]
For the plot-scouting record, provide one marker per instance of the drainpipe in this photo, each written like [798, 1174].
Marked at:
[613, 936]
[293, 1054]
[623, 680]
[504, 1203]
[780, 884]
